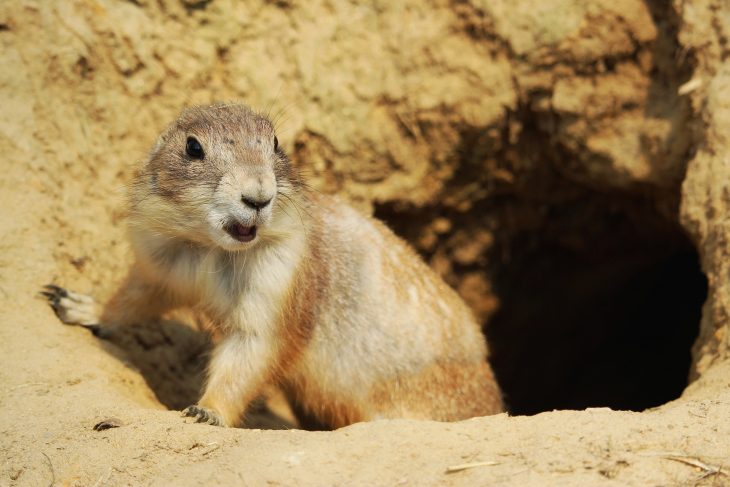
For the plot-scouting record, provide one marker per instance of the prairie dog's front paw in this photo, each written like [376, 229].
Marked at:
[203, 415]
[72, 308]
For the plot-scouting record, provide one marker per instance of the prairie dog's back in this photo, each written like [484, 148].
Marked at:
[384, 318]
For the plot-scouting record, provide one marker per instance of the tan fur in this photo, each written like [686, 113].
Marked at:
[326, 303]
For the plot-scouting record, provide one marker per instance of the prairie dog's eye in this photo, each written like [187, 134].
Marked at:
[194, 149]
[276, 144]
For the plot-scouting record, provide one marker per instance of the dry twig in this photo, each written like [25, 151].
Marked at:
[214, 446]
[696, 462]
[466, 466]
[689, 86]
[53, 472]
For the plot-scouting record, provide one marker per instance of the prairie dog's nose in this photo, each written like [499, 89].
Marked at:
[257, 190]
[255, 203]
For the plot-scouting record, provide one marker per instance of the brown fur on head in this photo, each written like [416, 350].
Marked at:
[216, 177]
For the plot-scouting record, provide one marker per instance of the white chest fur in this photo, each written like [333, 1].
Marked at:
[243, 291]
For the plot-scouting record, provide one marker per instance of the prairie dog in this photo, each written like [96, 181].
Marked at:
[306, 293]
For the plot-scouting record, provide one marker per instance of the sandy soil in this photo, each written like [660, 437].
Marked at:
[425, 114]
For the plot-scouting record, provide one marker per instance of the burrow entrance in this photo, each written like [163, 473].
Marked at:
[610, 322]
[588, 298]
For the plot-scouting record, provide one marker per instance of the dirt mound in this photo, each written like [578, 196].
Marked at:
[561, 164]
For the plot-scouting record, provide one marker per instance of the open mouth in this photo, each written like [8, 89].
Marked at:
[240, 232]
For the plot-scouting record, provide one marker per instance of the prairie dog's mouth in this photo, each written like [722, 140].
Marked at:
[241, 232]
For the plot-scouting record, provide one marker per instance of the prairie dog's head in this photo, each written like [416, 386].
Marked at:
[217, 177]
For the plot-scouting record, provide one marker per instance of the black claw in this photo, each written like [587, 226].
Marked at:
[54, 299]
[57, 290]
[54, 294]
[201, 415]
[190, 411]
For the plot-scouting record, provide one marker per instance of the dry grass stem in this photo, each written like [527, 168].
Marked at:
[467, 466]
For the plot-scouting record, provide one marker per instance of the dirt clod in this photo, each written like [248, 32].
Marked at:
[108, 424]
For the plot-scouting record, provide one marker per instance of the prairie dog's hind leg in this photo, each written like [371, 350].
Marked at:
[73, 308]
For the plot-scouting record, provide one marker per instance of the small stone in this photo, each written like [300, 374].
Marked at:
[108, 424]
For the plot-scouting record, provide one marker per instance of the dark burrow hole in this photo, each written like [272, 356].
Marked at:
[599, 294]
[611, 324]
